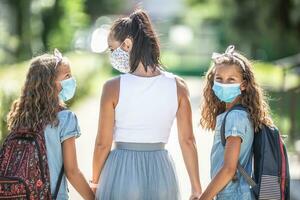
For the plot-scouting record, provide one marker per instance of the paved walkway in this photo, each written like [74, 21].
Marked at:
[87, 114]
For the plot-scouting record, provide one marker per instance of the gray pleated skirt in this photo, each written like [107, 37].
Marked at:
[138, 171]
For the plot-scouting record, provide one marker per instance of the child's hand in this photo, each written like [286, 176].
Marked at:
[93, 186]
[94, 189]
[195, 196]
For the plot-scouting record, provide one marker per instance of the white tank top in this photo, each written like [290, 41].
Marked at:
[146, 108]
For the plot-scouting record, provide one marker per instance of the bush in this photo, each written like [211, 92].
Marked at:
[6, 101]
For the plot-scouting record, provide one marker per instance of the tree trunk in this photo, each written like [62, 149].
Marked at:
[50, 20]
[23, 27]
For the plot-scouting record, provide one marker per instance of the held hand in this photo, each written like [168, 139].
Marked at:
[94, 190]
[195, 195]
[93, 186]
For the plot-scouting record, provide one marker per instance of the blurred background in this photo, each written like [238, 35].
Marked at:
[267, 31]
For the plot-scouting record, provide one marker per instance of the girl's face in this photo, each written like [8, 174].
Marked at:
[229, 74]
[64, 72]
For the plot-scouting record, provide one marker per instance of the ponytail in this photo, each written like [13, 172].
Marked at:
[145, 47]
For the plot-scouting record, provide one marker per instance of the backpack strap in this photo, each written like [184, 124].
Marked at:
[61, 173]
[58, 184]
[243, 172]
[235, 107]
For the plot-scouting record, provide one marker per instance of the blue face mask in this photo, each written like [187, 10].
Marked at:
[68, 89]
[226, 92]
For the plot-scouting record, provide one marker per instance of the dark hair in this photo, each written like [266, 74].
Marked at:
[145, 47]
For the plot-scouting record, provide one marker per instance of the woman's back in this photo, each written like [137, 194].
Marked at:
[137, 111]
[146, 108]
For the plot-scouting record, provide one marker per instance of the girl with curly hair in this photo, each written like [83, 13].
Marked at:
[231, 81]
[48, 84]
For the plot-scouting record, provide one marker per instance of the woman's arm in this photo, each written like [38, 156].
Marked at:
[186, 137]
[226, 173]
[103, 143]
[72, 171]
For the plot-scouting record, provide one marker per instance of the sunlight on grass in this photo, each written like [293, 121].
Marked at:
[271, 76]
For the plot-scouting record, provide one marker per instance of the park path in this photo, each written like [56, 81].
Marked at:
[87, 113]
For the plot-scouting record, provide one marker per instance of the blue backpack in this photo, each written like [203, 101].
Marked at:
[271, 177]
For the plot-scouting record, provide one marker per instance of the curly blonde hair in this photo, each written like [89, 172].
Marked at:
[38, 103]
[253, 97]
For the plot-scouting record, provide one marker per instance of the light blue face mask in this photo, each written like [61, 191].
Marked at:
[226, 92]
[68, 89]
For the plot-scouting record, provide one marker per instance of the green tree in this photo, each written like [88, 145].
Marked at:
[61, 22]
[38, 25]
[22, 27]
[267, 29]
[97, 8]
[265, 25]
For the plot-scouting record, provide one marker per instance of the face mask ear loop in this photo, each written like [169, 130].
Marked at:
[121, 46]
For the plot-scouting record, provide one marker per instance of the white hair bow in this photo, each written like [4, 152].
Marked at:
[58, 56]
[229, 53]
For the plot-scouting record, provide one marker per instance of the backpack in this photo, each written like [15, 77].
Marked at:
[24, 172]
[271, 177]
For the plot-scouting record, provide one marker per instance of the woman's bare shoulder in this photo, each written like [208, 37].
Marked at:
[182, 87]
[111, 88]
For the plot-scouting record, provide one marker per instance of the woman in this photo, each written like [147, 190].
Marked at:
[136, 112]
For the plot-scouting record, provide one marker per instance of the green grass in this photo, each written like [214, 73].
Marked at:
[271, 76]
[267, 75]
[283, 105]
